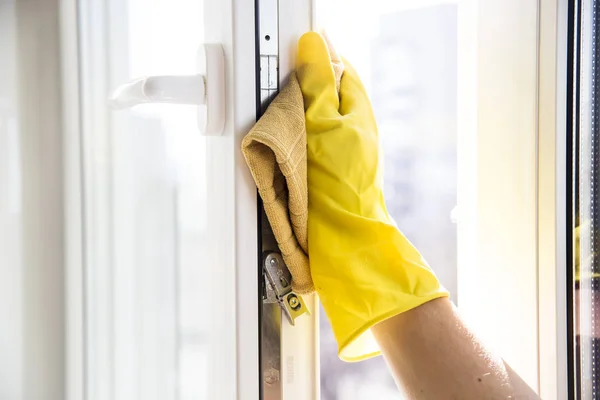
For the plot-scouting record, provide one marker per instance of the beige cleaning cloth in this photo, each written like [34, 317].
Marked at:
[275, 151]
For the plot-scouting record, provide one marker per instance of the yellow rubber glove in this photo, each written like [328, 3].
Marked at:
[363, 267]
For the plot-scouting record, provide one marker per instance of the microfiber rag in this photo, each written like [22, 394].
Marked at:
[275, 151]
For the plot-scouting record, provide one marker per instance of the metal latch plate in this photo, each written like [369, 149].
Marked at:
[278, 281]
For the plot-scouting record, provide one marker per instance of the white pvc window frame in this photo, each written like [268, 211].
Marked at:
[488, 278]
[512, 265]
[497, 178]
[232, 195]
[73, 201]
[552, 200]
[32, 337]
[232, 201]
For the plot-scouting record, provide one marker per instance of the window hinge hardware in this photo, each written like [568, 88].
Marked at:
[278, 283]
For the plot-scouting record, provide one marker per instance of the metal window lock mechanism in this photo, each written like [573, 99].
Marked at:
[278, 287]
[283, 341]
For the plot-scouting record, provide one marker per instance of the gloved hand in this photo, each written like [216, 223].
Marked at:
[363, 267]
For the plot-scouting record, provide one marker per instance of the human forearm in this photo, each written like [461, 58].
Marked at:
[433, 355]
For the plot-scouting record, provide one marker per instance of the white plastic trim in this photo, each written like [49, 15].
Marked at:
[552, 199]
[73, 202]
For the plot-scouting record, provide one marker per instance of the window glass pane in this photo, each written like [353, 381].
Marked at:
[406, 54]
[145, 208]
[586, 221]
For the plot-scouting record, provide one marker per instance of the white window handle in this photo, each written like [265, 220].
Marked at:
[174, 89]
[205, 89]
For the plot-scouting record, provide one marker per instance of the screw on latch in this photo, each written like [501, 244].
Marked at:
[294, 302]
[273, 262]
[283, 282]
